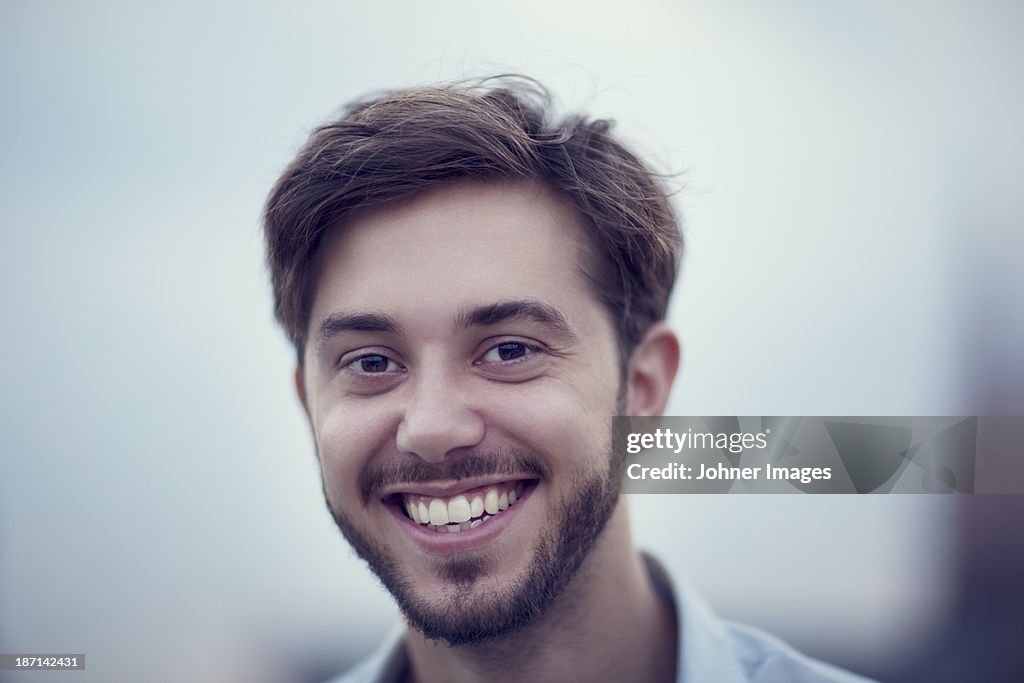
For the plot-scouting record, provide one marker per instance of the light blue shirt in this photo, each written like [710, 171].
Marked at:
[710, 650]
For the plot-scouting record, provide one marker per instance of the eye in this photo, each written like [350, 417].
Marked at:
[373, 364]
[508, 351]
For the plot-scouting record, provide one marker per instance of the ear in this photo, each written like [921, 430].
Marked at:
[652, 368]
[300, 388]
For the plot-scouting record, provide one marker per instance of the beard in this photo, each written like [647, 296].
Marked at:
[468, 614]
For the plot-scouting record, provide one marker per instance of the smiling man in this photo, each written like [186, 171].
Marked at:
[473, 290]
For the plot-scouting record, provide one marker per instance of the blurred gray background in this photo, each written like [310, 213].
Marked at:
[851, 175]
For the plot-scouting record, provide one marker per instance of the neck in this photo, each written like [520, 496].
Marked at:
[608, 625]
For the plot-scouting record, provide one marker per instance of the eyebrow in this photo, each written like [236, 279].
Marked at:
[525, 309]
[481, 316]
[338, 323]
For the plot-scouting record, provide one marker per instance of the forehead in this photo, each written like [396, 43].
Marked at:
[456, 247]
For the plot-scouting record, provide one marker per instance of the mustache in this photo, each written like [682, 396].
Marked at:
[412, 470]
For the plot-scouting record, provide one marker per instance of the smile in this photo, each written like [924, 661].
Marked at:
[462, 512]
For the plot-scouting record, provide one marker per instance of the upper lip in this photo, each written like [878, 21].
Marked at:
[448, 489]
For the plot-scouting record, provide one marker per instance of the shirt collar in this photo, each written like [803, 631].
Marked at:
[704, 651]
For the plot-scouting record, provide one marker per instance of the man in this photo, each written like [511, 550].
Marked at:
[473, 291]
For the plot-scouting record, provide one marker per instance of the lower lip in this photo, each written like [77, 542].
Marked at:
[445, 543]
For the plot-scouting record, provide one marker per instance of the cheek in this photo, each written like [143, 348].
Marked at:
[348, 436]
[567, 425]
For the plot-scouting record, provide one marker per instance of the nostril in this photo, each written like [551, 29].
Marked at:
[432, 435]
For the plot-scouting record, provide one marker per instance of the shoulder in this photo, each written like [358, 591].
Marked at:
[366, 671]
[712, 649]
[387, 664]
[766, 659]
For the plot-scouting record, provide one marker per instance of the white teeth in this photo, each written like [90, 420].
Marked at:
[458, 509]
[424, 515]
[461, 513]
[438, 512]
[491, 501]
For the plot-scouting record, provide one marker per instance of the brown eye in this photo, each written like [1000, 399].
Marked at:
[373, 364]
[507, 351]
[511, 351]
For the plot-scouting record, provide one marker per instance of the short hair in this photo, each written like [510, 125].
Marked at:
[396, 145]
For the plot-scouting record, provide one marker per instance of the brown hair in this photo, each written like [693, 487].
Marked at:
[404, 142]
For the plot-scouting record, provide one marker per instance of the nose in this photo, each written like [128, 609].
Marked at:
[437, 420]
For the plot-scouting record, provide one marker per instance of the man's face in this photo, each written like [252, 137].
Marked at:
[459, 378]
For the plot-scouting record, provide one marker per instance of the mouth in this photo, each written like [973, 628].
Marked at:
[463, 511]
